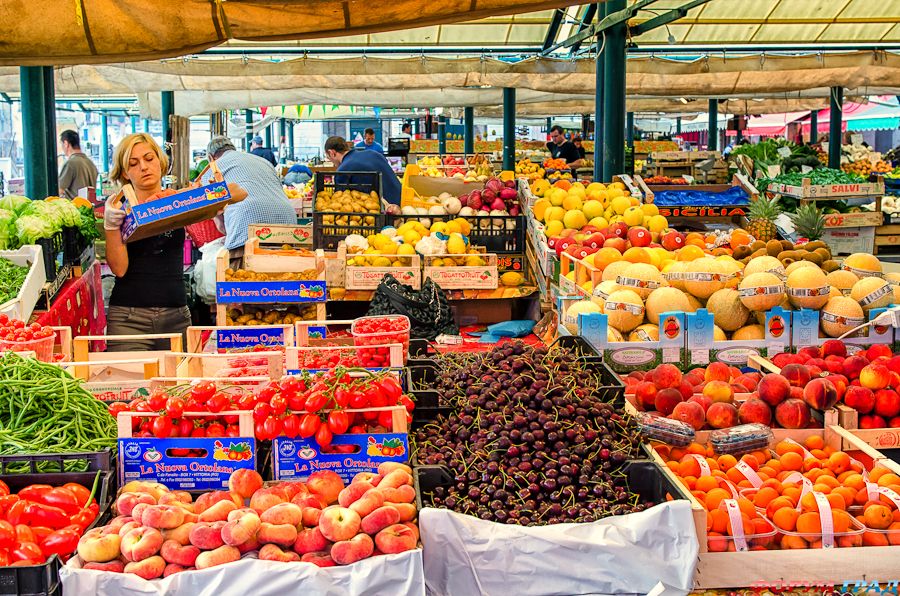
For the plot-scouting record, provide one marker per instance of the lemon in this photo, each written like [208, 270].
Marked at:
[437, 263]
[650, 209]
[512, 279]
[381, 262]
[406, 249]
[554, 214]
[438, 227]
[572, 203]
[633, 216]
[657, 223]
[474, 261]
[456, 245]
[411, 237]
[554, 228]
[620, 204]
[588, 286]
[599, 223]
[574, 220]
[453, 226]
[390, 248]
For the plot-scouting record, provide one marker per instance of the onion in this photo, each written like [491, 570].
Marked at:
[510, 184]
[464, 200]
[509, 194]
[494, 185]
[498, 205]
[474, 202]
[514, 210]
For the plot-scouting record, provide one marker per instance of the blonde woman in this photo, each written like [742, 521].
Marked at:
[149, 295]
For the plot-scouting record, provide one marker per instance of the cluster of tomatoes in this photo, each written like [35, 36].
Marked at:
[14, 330]
[348, 356]
[379, 331]
[296, 406]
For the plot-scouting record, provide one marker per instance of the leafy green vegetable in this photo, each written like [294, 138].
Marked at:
[14, 203]
[30, 228]
[12, 277]
[7, 229]
[88, 224]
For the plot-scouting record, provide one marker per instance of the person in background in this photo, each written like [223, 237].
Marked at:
[298, 174]
[266, 202]
[405, 131]
[346, 158]
[149, 295]
[368, 141]
[256, 148]
[561, 148]
[79, 171]
[577, 142]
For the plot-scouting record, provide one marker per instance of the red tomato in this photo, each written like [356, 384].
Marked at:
[185, 427]
[296, 402]
[233, 431]
[272, 426]
[175, 407]
[217, 402]
[309, 425]
[8, 537]
[278, 404]
[261, 411]
[338, 422]
[40, 533]
[27, 550]
[203, 390]
[157, 401]
[115, 408]
[215, 429]
[198, 432]
[342, 397]
[323, 436]
[386, 419]
[315, 402]
[24, 533]
[161, 427]
[407, 403]
[82, 494]
[290, 426]
[61, 542]
[390, 388]
[246, 402]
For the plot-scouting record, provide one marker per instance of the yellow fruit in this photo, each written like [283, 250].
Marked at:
[581, 307]
[381, 262]
[411, 237]
[634, 216]
[862, 264]
[807, 287]
[614, 192]
[389, 248]
[650, 209]
[512, 279]
[749, 333]
[592, 209]
[704, 277]
[572, 202]
[437, 262]
[761, 291]
[453, 226]
[690, 253]
[764, 263]
[474, 261]
[843, 281]
[598, 222]
[663, 300]
[727, 310]
[595, 187]
[840, 315]
[554, 228]
[406, 249]
[872, 292]
[645, 332]
[624, 309]
[657, 223]
[640, 278]
[620, 204]
[718, 334]
[456, 245]
[556, 196]
[539, 208]
[554, 214]
[574, 220]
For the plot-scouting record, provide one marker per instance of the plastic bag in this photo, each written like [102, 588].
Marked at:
[428, 309]
[205, 271]
[511, 328]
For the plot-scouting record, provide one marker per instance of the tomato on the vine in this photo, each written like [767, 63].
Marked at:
[315, 402]
[233, 431]
[261, 411]
[215, 429]
[115, 408]
[185, 427]
[309, 425]
[290, 425]
[217, 402]
[386, 419]
[272, 426]
[157, 401]
[407, 403]
[296, 402]
[175, 407]
[338, 422]
[278, 404]
[323, 436]
[342, 397]
[161, 427]
[390, 388]
[203, 390]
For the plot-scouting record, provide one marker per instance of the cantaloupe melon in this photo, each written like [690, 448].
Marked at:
[761, 291]
[614, 335]
[862, 264]
[570, 320]
[842, 281]
[808, 288]
[646, 332]
[704, 277]
[799, 265]
[673, 273]
[733, 269]
[613, 270]
[764, 263]
[666, 300]
[641, 278]
[749, 333]
[728, 312]
[602, 292]
[625, 310]
[894, 280]
[694, 304]
[840, 315]
[718, 334]
[872, 292]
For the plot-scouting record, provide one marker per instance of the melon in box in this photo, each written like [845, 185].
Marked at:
[662, 343]
[839, 316]
[463, 272]
[703, 347]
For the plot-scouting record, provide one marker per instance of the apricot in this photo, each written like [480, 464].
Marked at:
[714, 498]
[791, 461]
[874, 539]
[838, 462]
[707, 483]
[764, 496]
[878, 517]
[809, 523]
[793, 542]
[785, 519]
[717, 520]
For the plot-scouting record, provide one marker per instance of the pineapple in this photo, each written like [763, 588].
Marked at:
[809, 222]
[761, 218]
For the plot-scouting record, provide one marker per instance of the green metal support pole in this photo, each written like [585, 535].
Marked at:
[442, 134]
[52, 141]
[168, 108]
[34, 136]
[282, 143]
[835, 104]
[629, 128]
[813, 126]
[416, 123]
[104, 142]
[598, 108]
[133, 124]
[678, 125]
[509, 128]
[614, 95]
[712, 144]
[549, 124]
[248, 130]
[146, 124]
[469, 130]
[269, 137]
[291, 140]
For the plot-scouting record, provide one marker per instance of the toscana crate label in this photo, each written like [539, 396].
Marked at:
[876, 295]
[633, 282]
[623, 306]
[760, 291]
[809, 292]
[350, 454]
[185, 463]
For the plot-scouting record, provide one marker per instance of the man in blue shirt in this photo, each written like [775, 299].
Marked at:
[348, 159]
[368, 141]
[256, 148]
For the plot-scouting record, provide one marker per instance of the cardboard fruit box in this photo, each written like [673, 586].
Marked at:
[177, 210]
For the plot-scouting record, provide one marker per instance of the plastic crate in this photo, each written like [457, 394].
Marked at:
[54, 254]
[73, 245]
[582, 347]
[500, 234]
[327, 233]
[43, 579]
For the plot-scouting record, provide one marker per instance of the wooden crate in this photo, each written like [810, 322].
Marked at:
[368, 278]
[187, 365]
[84, 357]
[463, 277]
[878, 438]
[198, 337]
[256, 259]
[808, 190]
[887, 239]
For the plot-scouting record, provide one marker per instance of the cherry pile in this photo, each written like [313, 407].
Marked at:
[530, 442]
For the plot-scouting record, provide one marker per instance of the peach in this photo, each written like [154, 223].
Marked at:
[310, 540]
[833, 347]
[141, 543]
[719, 391]
[350, 551]
[325, 484]
[887, 403]
[401, 494]
[311, 516]
[379, 520]
[854, 365]
[695, 377]
[755, 410]
[796, 374]
[386, 467]
[173, 552]
[219, 556]
[701, 399]
[746, 382]
[270, 552]
[163, 517]
[172, 569]
[280, 534]
[407, 510]
[266, 498]
[207, 535]
[240, 530]
[293, 488]
[820, 394]
[138, 512]
[717, 371]
[369, 502]
[239, 513]
[283, 513]
[319, 559]
[126, 502]
[689, 412]
[97, 547]
[396, 479]
[667, 399]
[645, 394]
[666, 376]
[840, 384]
[415, 529]
[115, 566]
[128, 527]
[207, 500]
[149, 568]
[181, 534]
[792, 413]
[308, 500]
[115, 523]
[370, 477]
[353, 492]
[686, 389]
[774, 389]
[860, 399]
[894, 364]
[872, 421]
[395, 539]
[722, 415]
[875, 376]
[218, 511]
[249, 546]
[878, 351]
[178, 498]
[339, 523]
[244, 482]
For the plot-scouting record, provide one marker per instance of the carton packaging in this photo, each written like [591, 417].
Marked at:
[183, 208]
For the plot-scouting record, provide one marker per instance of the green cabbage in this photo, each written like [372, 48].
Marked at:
[30, 228]
[14, 203]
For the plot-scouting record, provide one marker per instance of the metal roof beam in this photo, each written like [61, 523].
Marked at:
[553, 29]
[616, 18]
[589, 15]
[665, 18]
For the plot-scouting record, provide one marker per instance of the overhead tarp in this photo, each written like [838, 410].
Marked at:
[43, 32]
[870, 72]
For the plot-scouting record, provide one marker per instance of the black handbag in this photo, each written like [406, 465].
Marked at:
[428, 309]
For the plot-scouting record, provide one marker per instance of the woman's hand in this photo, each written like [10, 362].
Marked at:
[113, 216]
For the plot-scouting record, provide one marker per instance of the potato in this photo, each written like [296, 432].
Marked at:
[241, 320]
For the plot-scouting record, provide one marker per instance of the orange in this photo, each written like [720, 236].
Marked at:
[674, 466]
[677, 452]
[791, 461]
[735, 475]
[746, 505]
[706, 483]
[838, 462]
[786, 519]
[793, 542]
[690, 482]
[760, 456]
[809, 523]
[783, 447]
[761, 526]
[699, 495]
[849, 541]
[739, 237]
[714, 498]
[726, 461]
[746, 525]
[814, 473]
[636, 254]
[842, 478]
[878, 517]
[712, 463]
[764, 496]
[689, 467]
[808, 502]
[814, 442]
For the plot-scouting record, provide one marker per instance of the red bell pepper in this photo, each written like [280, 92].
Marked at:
[34, 492]
[41, 532]
[38, 514]
[81, 493]
[63, 498]
[85, 517]
[16, 513]
[24, 533]
[27, 551]
[7, 501]
[4, 489]
[61, 542]
[4, 557]
[7, 535]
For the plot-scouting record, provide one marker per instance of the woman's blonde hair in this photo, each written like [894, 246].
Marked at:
[123, 154]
